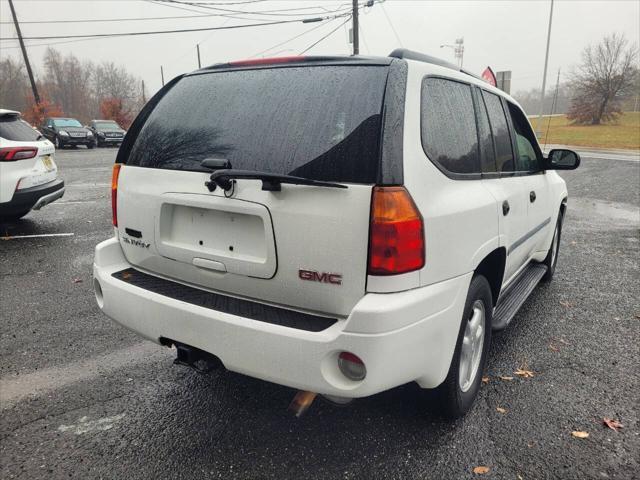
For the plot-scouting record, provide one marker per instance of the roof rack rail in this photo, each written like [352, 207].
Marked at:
[423, 57]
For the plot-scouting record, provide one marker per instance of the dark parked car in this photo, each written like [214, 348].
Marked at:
[67, 131]
[107, 132]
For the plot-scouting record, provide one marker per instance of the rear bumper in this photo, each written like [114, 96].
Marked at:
[401, 337]
[76, 141]
[33, 198]
[110, 140]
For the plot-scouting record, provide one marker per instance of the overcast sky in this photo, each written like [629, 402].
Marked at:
[507, 35]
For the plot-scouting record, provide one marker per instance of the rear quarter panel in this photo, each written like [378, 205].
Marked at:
[460, 216]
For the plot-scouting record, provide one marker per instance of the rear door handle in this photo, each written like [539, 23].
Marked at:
[505, 208]
[532, 196]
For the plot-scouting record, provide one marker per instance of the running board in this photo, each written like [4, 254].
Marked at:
[516, 294]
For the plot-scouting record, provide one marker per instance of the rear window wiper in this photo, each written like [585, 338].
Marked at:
[271, 182]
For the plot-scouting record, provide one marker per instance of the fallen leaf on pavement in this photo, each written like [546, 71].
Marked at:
[566, 304]
[485, 379]
[612, 424]
[481, 470]
[579, 434]
[553, 347]
[501, 410]
[77, 280]
[502, 377]
[522, 372]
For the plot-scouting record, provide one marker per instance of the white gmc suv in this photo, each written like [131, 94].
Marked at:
[339, 225]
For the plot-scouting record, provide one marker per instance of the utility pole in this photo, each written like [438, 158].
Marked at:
[554, 104]
[198, 48]
[162, 74]
[458, 50]
[356, 36]
[544, 74]
[24, 54]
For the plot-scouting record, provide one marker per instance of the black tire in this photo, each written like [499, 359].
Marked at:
[454, 400]
[551, 259]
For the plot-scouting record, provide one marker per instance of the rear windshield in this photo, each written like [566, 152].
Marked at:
[319, 122]
[14, 128]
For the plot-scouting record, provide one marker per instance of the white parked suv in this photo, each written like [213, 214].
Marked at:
[28, 173]
[339, 225]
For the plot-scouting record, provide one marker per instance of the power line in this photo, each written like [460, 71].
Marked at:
[181, 6]
[391, 24]
[278, 13]
[100, 20]
[160, 32]
[292, 38]
[326, 36]
[32, 45]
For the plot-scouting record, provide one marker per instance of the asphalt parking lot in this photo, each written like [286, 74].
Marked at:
[84, 398]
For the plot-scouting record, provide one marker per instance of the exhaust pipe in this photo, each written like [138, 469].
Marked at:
[301, 403]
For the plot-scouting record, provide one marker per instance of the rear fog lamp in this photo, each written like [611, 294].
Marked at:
[351, 366]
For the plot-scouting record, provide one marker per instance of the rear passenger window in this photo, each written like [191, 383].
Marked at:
[488, 157]
[529, 157]
[500, 128]
[16, 129]
[448, 125]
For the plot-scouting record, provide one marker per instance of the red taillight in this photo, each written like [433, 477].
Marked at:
[114, 193]
[266, 61]
[12, 154]
[396, 237]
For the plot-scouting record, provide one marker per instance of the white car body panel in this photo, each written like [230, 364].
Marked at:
[377, 331]
[300, 216]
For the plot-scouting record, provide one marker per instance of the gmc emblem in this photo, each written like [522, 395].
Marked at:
[313, 276]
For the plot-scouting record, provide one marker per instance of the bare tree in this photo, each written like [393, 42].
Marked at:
[530, 99]
[607, 73]
[69, 83]
[78, 88]
[14, 85]
[115, 83]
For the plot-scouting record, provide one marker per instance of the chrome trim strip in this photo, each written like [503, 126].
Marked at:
[527, 236]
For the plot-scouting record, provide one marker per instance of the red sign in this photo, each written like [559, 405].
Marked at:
[489, 77]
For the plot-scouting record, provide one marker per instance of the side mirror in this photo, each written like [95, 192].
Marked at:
[561, 159]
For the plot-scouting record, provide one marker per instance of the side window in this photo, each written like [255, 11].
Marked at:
[448, 125]
[488, 157]
[500, 128]
[528, 158]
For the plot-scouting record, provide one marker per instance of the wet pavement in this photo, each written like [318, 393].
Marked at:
[81, 397]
